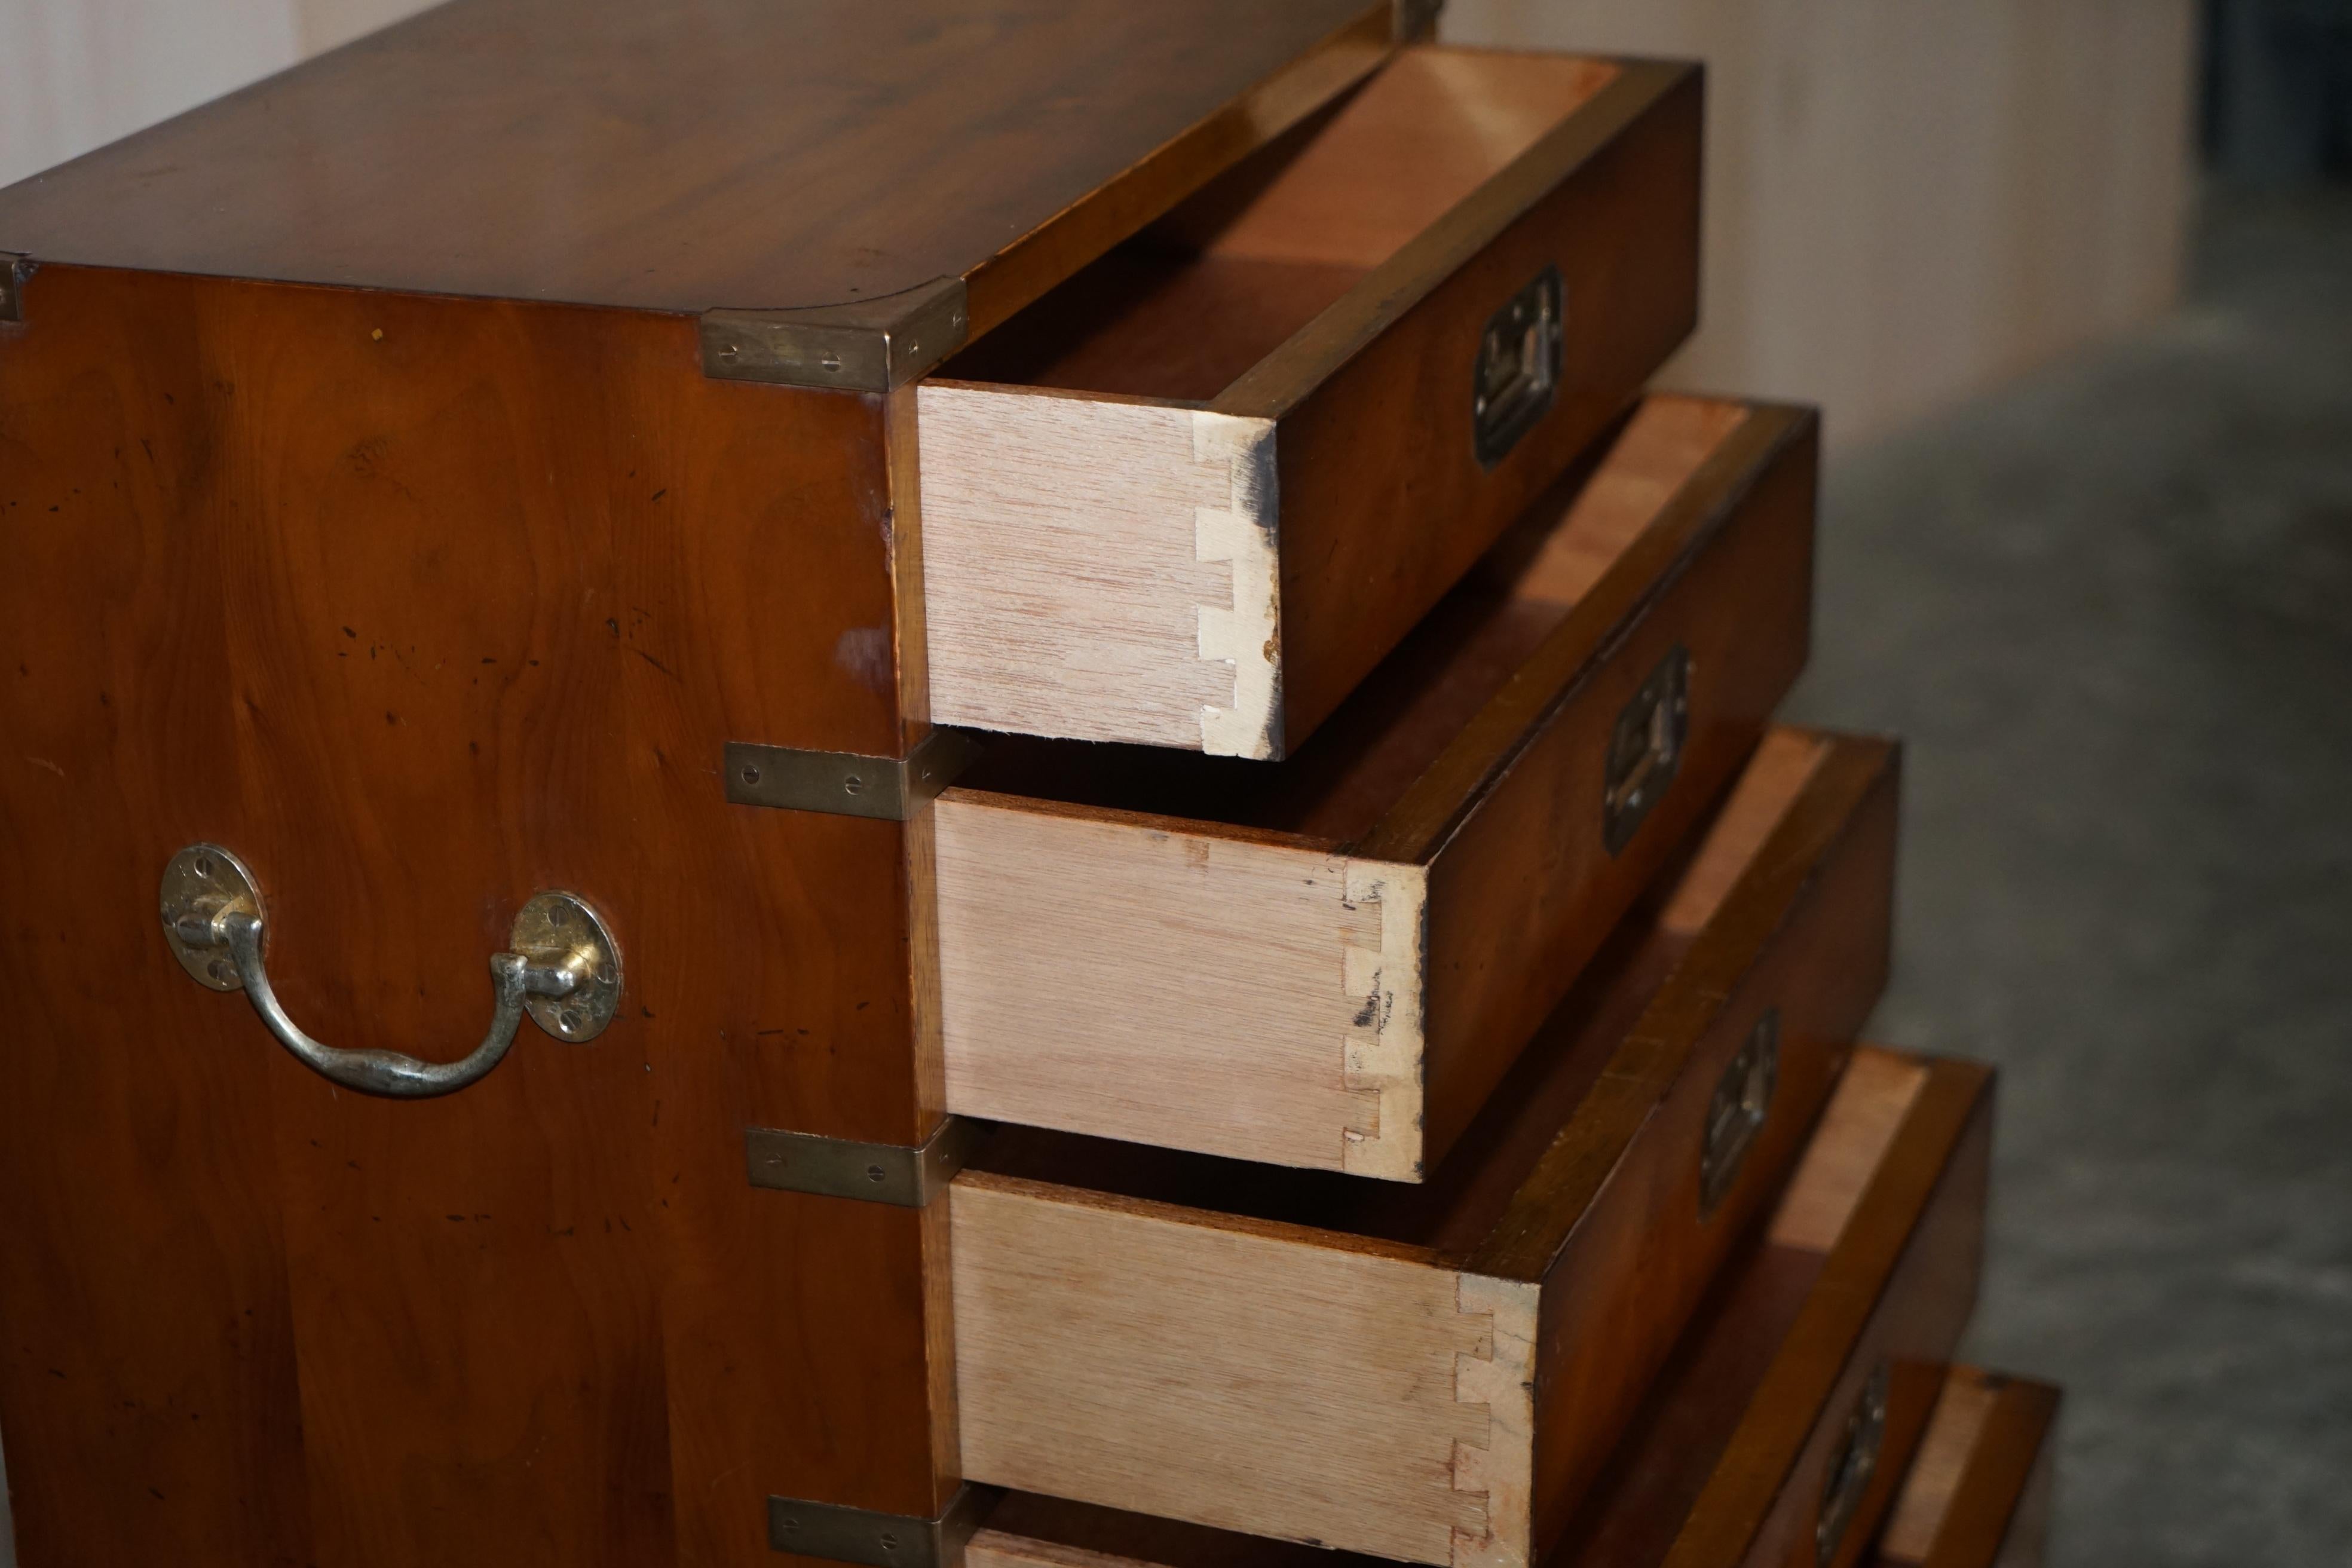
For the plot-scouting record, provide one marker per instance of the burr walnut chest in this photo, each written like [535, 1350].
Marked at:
[1118, 782]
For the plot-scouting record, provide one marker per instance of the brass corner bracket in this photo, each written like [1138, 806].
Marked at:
[842, 1534]
[1416, 20]
[867, 345]
[847, 784]
[14, 270]
[906, 1177]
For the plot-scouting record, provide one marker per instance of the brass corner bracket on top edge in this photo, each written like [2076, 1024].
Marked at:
[1416, 20]
[842, 1534]
[14, 270]
[866, 345]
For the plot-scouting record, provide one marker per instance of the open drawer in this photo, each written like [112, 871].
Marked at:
[1192, 496]
[1426, 1373]
[1977, 1495]
[1329, 963]
[1774, 1438]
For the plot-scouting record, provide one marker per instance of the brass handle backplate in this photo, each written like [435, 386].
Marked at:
[1516, 378]
[1851, 1464]
[564, 971]
[1645, 748]
[1743, 1099]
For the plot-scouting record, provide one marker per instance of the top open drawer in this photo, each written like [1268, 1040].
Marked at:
[1192, 496]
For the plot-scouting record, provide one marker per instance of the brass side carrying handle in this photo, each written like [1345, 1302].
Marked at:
[564, 971]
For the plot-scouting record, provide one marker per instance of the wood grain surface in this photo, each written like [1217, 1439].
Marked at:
[1277, 1352]
[684, 155]
[1083, 584]
[422, 606]
[1331, 964]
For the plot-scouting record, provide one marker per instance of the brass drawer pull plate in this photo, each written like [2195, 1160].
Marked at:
[564, 971]
[1517, 378]
[1851, 1464]
[1743, 1099]
[1646, 749]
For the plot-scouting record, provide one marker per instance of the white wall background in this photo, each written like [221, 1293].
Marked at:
[1907, 201]
[76, 74]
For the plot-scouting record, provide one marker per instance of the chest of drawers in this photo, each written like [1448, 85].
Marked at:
[1117, 783]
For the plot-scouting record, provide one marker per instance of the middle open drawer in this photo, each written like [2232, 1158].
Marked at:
[1400, 1370]
[1330, 962]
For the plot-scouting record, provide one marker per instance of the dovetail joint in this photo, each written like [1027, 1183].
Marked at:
[1498, 1375]
[1235, 456]
[1380, 1060]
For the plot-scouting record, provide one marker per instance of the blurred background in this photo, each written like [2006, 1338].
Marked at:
[2073, 280]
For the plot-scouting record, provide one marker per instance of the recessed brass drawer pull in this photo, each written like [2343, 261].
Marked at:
[1851, 1464]
[1743, 1099]
[1517, 375]
[564, 971]
[1645, 751]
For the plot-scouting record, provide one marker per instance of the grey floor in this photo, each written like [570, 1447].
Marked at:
[2111, 609]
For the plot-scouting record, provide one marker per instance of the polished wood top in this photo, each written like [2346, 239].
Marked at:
[682, 155]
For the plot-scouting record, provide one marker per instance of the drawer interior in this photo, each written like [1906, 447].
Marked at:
[1453, 1211]
[1336, 790]
[1184, 308]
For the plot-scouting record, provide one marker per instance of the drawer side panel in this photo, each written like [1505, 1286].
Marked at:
[1099, 570]
[1235, 1376]
[1069, 941]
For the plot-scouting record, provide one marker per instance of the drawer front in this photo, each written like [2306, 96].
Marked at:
[1137, 530]
[1797, 1401]
[1526, 880]
[1416, 1373]
[1978, 1494]
[1345, 999]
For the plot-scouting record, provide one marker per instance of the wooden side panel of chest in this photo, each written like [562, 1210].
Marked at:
[423, 605]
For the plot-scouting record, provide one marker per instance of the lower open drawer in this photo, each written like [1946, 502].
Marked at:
[1436, 1372]
[1977, 1495]
[1778, 1433]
